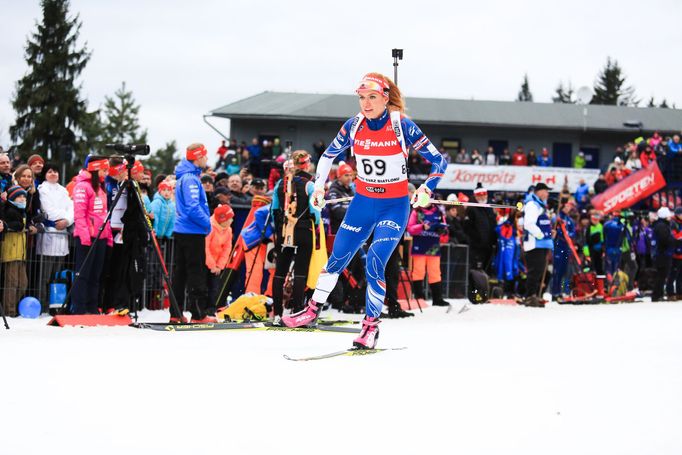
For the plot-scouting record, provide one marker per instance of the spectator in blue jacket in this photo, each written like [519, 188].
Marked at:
[192, 224]
[163, 209]
[544, 160]
[675, 146]
[581, 194]
[614, 234]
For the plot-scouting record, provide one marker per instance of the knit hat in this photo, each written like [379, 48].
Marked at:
[344, 168]
[14, 192]
[223, 213]
[33, 158]
[221, 175]
[480, 190]
[195, 151]
[664, 213]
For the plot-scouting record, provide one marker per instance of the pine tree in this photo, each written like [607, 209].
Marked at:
[50, 112]
[651, 102]
[610, 87]
[163, 161]
[664, 104]
[121, 123]
[524, 93]
[564, 95]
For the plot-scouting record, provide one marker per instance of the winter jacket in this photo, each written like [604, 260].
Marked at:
[544, 161]
[218, 245]
[426, 242]
[56, 205]
[582, 195]
[164, 216]
[456, 231]
[579, 162]
[647, 159]
[13, 246]
[536, 225]
[191, 205]
[674, 148]
[89, 210]
[479, 225]
[664, 242]
[259, 228]
[519, 159]
[338, 210]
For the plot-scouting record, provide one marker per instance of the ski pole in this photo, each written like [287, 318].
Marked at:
[518, 206]
[339, 200]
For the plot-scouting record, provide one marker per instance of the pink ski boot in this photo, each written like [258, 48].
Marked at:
[304, 318]
[369, 335]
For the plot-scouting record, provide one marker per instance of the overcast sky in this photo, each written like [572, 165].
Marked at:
[183, 59]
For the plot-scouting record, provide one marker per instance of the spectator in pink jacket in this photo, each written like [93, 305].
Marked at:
[90, 212]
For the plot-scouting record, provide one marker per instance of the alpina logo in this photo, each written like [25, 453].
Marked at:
[367, 144]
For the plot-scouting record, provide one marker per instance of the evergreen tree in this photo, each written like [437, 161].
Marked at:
[664, 104]
[164, 160]
[524, 93]
[610, 87]
[50, 112]
[651, 102]
[564, 95]
[121, 124]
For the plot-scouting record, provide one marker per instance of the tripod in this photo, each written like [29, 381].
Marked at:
[129, 187]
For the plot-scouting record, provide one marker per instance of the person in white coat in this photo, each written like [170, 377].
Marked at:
[53, 244]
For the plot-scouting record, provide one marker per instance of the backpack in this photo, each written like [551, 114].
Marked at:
[478, 286]
[251, 307]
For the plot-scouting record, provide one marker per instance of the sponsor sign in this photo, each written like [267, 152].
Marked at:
[630, 190]
[514, 178]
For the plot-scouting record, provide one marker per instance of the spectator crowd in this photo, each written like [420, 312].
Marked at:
[48, 228]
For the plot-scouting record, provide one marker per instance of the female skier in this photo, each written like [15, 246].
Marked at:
[379, 136]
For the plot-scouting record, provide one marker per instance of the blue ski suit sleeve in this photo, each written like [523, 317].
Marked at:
[422, 145]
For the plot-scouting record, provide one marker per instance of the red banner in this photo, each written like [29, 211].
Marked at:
[630, 190]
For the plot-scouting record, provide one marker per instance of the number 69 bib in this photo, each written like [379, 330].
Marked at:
[381, 164]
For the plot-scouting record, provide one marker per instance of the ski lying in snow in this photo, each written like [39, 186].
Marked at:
[337, 322]
[317, 328]
[190, 327]
[347, 352]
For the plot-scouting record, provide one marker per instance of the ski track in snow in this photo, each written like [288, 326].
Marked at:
[497, 379]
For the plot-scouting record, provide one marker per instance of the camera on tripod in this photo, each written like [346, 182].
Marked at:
[129, 149]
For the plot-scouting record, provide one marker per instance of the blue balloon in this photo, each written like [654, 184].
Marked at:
[29, 307]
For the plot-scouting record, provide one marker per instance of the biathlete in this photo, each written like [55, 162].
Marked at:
[379, 137]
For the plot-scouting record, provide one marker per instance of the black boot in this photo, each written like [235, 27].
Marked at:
[437, 294]
[395, 311]
[418, 289]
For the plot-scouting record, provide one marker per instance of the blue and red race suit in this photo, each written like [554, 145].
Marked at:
[381, 205]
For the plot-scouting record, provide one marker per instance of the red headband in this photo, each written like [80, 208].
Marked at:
[197, 151]
[99, 165]
[373, 83]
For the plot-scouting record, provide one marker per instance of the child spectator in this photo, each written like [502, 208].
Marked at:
[13, 249]
[163, 210]
[426, 225]
[218, 249]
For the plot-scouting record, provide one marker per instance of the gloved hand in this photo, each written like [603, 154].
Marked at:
[317, 199]
[421, 197]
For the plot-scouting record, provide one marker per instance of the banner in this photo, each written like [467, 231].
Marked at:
[630, 190]
[514, 178]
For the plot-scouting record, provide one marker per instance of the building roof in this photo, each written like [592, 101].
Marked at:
[310, 106]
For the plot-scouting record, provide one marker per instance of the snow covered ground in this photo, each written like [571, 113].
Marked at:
[496, 379]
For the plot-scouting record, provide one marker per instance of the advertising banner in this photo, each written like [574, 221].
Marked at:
[514, 178]
[630, 190]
